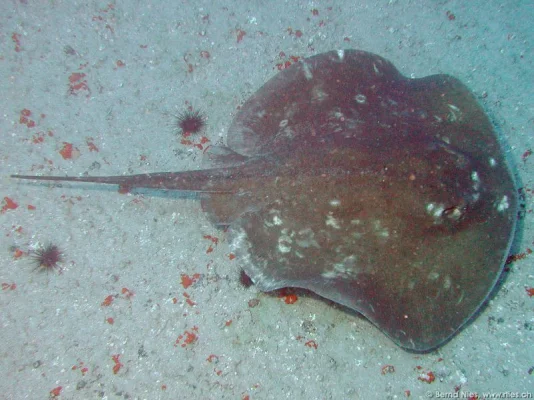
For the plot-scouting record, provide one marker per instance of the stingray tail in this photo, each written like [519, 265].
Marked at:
[196, 181]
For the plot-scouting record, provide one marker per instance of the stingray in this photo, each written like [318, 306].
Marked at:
[388, 195]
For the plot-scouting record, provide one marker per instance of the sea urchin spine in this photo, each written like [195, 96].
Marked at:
[47, 258]
[190, 122]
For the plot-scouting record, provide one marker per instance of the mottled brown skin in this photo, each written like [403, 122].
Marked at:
[388, 195]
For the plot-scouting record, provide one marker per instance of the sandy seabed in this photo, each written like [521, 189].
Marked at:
[148, 304]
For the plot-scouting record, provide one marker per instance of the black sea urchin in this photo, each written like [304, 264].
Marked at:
[190, 122]
[47, 258]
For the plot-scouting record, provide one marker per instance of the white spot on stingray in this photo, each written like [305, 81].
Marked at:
[283, 247]
[254, 266]
[447, 282]
[329, 274]
[239, 237]
[307, 71]
[379, 229]
[375, 68]
[344, 269]
[455, 113]
[331, 221]
[357, 235]
[360, 99]
[276, 221]
[455, 214]
[284, 242]
[476, 180]
[335, 203]
[341, 54]
[432, 276]
[503, 204]
[492, 162]
[392, 103]
[318, 94]
[435, 210]
[461, 298]
[240, 245]
[438, 212]
[306, 239]
[339, 116]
